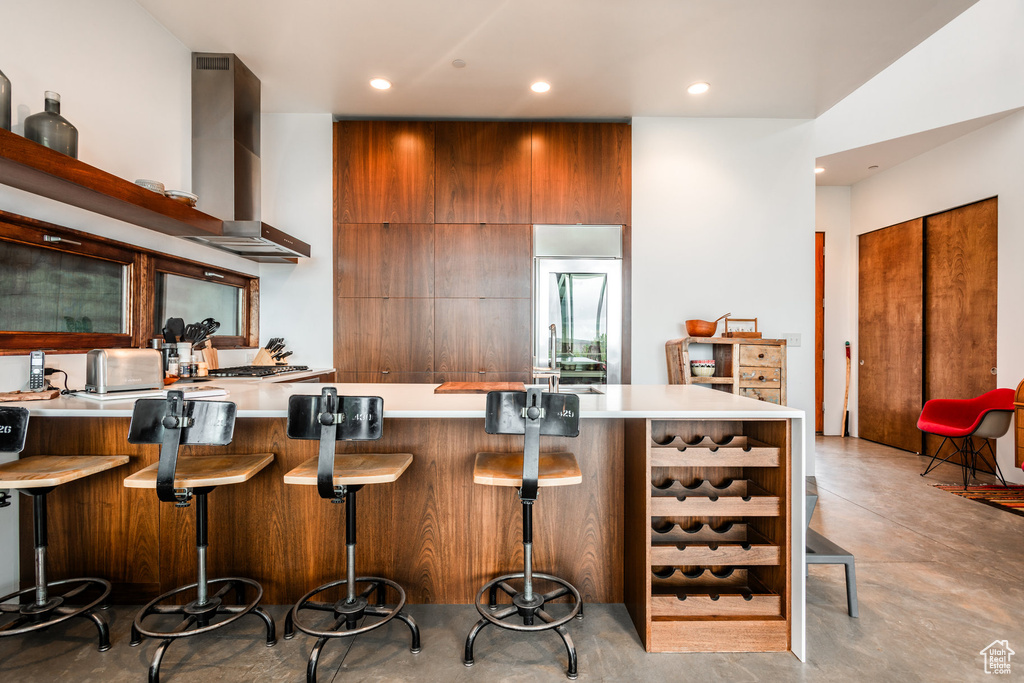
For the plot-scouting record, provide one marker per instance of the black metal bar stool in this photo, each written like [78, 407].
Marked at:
[330, 418]
[173, 422]
[533, 414]
[36, 476]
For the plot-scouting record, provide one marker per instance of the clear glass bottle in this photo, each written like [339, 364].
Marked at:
[5, 102]
[52, 130]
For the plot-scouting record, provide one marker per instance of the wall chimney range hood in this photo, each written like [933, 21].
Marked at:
[226, 160]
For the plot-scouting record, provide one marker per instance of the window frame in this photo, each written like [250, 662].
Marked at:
[141, 272]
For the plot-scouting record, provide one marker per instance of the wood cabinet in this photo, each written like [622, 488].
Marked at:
[482, 171]
[707, 528]
[581, 173]
[393, 334]
[491, 335]
[384, 171]
[755, 368]
[482, 260]
[1018, 434]
[382, 259]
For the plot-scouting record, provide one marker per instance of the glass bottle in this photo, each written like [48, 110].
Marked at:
[52, 130]
[5, 102]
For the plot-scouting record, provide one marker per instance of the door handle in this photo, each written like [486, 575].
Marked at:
[862, 362]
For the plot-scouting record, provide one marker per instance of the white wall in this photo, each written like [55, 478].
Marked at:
[723, 220]
[971, 67]
[297, 301]
[832, 216]
[982, 164]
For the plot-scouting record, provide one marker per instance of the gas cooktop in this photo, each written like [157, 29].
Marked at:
[256, 370]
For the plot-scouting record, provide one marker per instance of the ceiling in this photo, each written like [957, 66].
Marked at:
[605, 59]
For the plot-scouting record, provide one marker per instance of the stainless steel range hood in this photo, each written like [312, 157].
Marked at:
[226, 159]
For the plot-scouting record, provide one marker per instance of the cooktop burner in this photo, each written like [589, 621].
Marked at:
[256, 370]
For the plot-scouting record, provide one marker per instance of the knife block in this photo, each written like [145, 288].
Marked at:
[263, 358]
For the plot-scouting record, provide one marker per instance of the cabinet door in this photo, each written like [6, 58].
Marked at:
[372, 335]
[386, 377]
[481, 376]
[581, 173]
[482, 260]
[890, 333]
[384, 171]
[482, 172]
[379, 260]
[492, 335]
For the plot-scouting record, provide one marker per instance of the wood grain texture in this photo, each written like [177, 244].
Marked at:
[373, 335]
[891, 335]
[581, 173]
[1018, 438]
[960, 298]
[482, 334]
[29, 166]
[354, 469]
[819, 332]
[482, 171]
[483, 261]
[520, 377]
[478, 387]
[377, 260]
[637, 527]
[433, 531]
[40, 471]
[506, 469]
[386, 377]
[384, 171]
[211, 470]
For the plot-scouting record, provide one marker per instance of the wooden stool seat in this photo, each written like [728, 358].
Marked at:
[355, 469]
[38, 471]
[207, 470]
[506, 469]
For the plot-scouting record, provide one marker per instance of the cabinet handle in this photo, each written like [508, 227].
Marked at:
[760, 355]
[761, 378]
[385, 372]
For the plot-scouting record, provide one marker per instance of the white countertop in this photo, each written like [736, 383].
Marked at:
[263, 399]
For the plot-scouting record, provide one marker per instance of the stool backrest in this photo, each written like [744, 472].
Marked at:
[173, 422]
[330, 418]
[13, 429]
[533, 413]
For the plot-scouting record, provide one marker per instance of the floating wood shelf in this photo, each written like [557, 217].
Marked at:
[29, 166]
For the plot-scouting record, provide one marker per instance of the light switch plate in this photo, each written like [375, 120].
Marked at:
[792, 338]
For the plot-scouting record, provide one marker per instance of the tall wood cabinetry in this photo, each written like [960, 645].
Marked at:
[927, 319]
[433, 238]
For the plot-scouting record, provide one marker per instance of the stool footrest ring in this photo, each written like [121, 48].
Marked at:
[498, 617]
[196, 615]
[341, 609]
[31, 617]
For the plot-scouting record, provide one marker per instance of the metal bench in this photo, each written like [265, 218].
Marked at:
[820, 550]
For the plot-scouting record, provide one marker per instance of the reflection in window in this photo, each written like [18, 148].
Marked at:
[45, 290]
[195, 300]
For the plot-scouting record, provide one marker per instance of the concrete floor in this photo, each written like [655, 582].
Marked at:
[937, 577]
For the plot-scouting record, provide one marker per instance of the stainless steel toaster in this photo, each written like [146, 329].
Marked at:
[123, 370]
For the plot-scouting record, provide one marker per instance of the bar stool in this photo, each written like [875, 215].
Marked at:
[173, 422]
[36, 476]
[330, 418]
[533, 414]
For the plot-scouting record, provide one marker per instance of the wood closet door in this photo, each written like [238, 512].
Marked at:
[960, 303]
[891, 332]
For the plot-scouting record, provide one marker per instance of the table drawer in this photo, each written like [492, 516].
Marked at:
[754, 376]
[770, 356]
[770, 395]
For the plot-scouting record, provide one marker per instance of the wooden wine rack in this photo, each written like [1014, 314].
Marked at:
[707, 522]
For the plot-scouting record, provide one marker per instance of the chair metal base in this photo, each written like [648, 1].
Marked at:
[197, 618]
[528, 610]
[969, 458]
[349, 614]
[33, 617]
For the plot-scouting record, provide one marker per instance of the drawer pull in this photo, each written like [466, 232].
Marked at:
[761, 378]
[760, 355]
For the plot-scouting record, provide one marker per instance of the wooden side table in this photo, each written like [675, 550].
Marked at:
[747, 367]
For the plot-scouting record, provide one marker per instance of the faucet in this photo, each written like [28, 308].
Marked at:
[551, 373]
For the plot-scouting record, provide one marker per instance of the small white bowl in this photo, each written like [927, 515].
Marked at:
[182, 196]
[154, 185]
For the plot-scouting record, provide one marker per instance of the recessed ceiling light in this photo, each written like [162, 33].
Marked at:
[380, 83]
[459, 63]
[540, 86]
[872, 168]
[698, 88]
[819, 169]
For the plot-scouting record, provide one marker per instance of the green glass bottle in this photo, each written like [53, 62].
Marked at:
[52, 130]
[5, 102]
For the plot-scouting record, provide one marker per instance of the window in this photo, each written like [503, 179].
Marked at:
[65, 290]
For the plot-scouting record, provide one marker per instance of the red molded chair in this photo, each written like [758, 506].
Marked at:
[986, 417]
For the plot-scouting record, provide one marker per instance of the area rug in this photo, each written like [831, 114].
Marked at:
[1009, 498]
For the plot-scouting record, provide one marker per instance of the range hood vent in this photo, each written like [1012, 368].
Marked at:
[226, 159]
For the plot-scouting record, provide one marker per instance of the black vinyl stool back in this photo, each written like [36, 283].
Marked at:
[532, 413]
[13, 430]
[175, 422]
[330, 418]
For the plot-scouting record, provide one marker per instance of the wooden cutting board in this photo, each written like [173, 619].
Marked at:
[29, 395]
[478, 387]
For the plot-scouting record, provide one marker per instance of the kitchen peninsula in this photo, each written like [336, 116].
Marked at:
[690, 511]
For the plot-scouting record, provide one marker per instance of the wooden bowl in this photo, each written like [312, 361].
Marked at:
[701, 328]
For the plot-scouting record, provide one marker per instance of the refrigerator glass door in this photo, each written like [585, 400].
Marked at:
[582, 298]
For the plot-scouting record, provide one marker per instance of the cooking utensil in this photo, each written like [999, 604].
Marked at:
[703, 328]
[282, 356]
[177, 328]
[168, 337]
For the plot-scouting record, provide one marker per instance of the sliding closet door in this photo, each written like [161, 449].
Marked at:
[960, 303]
[891, 334]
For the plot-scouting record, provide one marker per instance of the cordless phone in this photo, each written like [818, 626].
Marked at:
[36, 365]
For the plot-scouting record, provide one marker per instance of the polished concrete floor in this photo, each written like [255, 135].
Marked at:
[938, 579]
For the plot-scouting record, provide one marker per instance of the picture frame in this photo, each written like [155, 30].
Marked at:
[741, 328]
